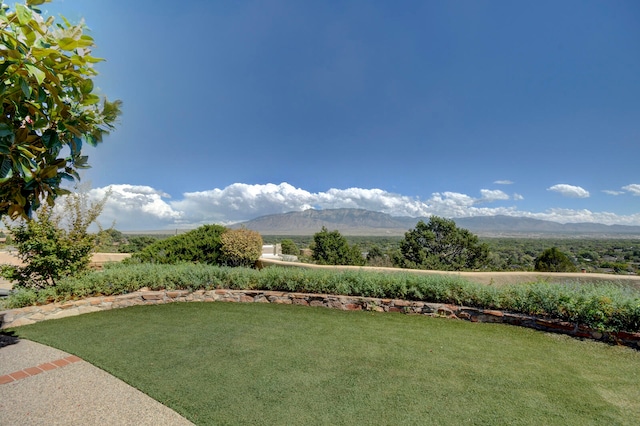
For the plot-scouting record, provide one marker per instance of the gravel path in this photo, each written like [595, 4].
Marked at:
[76, 393]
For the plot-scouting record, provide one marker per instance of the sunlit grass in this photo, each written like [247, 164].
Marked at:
[225, 363]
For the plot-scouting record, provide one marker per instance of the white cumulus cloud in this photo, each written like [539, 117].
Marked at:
[136, 207]
[144, 208]
[634, 189]
[493, 195]
[241, 201]
[569, 190]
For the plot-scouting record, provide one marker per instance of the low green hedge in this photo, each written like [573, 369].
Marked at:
[603, 306]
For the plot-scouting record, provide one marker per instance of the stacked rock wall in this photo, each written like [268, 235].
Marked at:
[33, 314]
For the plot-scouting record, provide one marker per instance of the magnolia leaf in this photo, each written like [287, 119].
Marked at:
[49, 172]
[91, 140]
[90, 99]
[4, 66]
[93, 59]
[78, 60]
[86, 86]
[7, 177]
[47, 71]
[23, 13]
[26, 172]
[50, 139]
[73, 130]
[26, 153]
[5, 130]
[66, 176]
[6, 169]
[26, 89]
[36, 72]
[66, 21]
[67, 43]
[76, 146]
[5, 148]
[29, 34]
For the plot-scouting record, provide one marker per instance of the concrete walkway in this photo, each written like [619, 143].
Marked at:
[40, 385]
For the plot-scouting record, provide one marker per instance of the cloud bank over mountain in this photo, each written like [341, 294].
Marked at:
[137, 207]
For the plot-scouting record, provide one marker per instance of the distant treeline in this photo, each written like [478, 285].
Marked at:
[621, 256]
[518, 254]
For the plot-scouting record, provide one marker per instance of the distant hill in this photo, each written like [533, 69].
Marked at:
[371, 223]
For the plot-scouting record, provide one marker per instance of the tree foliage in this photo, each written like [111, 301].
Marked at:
[109, 240]
[54, 244]
[210, 244]
[136, 243]
[201, 245]
[289, 247]
[47, 103]
[240, 247]
[553, 260]
[441, 245]
[331, 248]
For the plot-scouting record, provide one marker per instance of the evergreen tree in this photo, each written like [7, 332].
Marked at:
[553, 260]
[331, 248]
[441, 245]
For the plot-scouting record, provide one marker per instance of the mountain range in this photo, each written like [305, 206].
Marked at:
[372, 223]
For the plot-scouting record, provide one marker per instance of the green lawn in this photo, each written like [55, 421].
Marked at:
[227, 363]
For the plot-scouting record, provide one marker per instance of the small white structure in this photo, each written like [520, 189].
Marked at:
[272, 251]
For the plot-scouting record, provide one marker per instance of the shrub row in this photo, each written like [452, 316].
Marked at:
[603, 306]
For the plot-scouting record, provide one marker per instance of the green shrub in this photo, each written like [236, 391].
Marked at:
[331, 248]
[240, 247]
[289, 247]
[202, 245]
[602, 306]
[21, 297]
[53, 245]
[136, 244]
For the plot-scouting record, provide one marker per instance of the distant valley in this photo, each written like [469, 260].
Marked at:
[371, 223]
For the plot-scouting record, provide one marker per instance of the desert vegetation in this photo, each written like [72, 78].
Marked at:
[53, 244]
[604, 306]
[604, 255]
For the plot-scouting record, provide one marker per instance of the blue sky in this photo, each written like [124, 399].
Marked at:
[235, 109]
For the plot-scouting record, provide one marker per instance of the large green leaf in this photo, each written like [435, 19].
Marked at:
[4, 66]
[5, 130]
[23, 13]
[26, 89]
[36, 72]
[86, 86]
[47, 103]
[6, 169]
[67, 43]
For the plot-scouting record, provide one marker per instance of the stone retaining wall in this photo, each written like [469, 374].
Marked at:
[33, 314]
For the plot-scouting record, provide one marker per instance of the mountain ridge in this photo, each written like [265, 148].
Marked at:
[350, 221]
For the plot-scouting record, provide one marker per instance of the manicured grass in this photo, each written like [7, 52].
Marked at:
[226, 363]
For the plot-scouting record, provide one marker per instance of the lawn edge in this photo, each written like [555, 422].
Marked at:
[33, 314]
